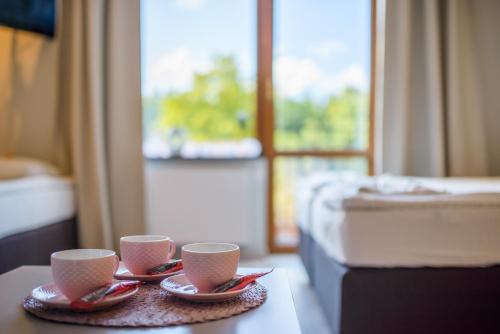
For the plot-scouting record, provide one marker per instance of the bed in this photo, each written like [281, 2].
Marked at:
[37, 217]
[403, 255]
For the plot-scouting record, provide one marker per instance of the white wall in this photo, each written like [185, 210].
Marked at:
[194, 201]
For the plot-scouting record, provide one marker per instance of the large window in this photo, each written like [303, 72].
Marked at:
[321, 70]
[287, 79]
[321, 103]
[199, 73]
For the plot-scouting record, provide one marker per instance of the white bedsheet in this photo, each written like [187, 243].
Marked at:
[337, 184]
[33, 202]
[451, 222]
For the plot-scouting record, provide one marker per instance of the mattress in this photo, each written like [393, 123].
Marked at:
[418, 223]
[33, 202]
[309, 190]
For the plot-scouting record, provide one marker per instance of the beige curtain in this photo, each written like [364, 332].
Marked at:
[100, 102]
[441, 107]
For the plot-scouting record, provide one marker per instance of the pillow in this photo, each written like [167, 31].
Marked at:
[16, 167]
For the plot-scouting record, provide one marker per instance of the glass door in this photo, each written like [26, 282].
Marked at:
[315, 81]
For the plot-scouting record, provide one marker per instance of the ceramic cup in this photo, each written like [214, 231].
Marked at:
[77, 272]
[210, 264]
[143, 252]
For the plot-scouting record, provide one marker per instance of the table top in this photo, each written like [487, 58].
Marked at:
[276, 315]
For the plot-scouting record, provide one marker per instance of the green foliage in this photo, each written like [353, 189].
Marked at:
[220, 106]
[348, 116]
[341, 123]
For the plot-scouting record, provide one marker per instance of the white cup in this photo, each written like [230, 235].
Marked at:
[143, 252]
[210, 264]
[77, 272]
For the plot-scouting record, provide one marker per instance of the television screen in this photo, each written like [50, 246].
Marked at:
[32, 15]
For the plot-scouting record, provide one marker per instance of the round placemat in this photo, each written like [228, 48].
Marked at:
[152, 307]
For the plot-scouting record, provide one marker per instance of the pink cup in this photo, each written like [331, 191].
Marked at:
[143, 252]
[77, 272]
[210, 264]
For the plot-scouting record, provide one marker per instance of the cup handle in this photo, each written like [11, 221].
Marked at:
[171, 251]
[117, 264]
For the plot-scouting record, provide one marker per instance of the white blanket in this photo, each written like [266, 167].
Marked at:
[409, 223]
[32, 202]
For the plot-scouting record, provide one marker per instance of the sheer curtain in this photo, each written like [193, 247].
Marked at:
[100, 112]
[441, 79]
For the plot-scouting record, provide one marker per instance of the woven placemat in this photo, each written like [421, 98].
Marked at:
[152, 307]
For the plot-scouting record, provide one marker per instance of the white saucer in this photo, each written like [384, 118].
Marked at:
[49, 294]
[179, 286]
[123, 274]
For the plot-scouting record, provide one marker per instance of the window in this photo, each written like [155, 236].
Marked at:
[287, 79]
[321, 71]
[321, 102]
[199, 72]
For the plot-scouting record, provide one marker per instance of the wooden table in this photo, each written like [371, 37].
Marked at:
[276, 315]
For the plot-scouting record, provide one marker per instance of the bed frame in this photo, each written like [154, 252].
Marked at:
[35, 246]
[403, 300]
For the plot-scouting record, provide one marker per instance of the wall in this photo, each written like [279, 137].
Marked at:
[194, 201]
[28, 92]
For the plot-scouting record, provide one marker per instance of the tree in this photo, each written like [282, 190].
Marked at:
[218, 107]
[348, 116]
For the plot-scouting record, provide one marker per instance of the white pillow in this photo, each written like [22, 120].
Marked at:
[13, 168]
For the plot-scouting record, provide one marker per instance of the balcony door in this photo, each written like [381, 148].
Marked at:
[315, 101]
[237, 79]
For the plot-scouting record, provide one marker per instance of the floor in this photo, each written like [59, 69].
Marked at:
[309, 313]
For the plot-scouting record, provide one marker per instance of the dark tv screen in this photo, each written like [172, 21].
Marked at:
[31, 15]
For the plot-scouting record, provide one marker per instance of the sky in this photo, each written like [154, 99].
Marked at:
[320, 46]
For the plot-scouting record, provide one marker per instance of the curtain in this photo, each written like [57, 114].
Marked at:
[100, 117]
[440, 88]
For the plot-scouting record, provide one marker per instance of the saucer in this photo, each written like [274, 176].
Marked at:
[180, 286]
[49, 295]
[124, 274]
